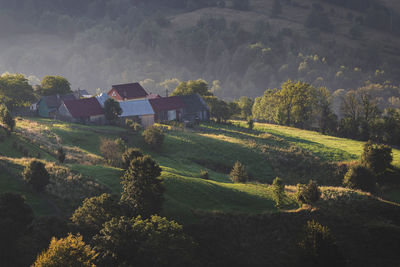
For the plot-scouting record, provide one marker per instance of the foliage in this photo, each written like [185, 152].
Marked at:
[278, 191]
[135, 127]
[52, 85]
[111, 151]
[376, 157]
[61, 155]
[144, 242]
[112, 110]
[15, 90]
[204, 174]
[94, 212]
[129, 155]
[69, 251]
[192, 87]
[250, 123]
[276, 8]
[245, 104]
[6, 117]
[238, 173]
[154, 137]
[220, 110]
[241, 4]
[321, 21]
[36, 175]
[142, 189]
[360, 177]
[308, 194]
[318, 247]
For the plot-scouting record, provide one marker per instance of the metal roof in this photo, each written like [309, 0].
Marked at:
[102, 98]
[136, 108]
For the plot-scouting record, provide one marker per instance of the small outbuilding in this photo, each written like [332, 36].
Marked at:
[82, 110]
[48, 106]
[139, 111]
[167, 108]
[196, 109]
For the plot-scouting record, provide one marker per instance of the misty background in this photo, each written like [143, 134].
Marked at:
[240, 48]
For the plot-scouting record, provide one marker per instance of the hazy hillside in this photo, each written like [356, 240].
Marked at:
[242, 51]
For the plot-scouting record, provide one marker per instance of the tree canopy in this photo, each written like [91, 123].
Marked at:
[193, 87]
[112, 110]
[15, 90]
[52, 85]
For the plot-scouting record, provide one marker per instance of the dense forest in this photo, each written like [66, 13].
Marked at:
[239, 47]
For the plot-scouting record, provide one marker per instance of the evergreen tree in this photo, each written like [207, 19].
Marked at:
[238, 173]
[36, 175]
[61, 155]
[278, 191]
[129, 155]
[112, 110]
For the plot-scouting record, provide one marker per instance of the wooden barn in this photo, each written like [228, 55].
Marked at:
[195, 108]
[128, 91]
[167, 108]
[82, 110]
[139, 111]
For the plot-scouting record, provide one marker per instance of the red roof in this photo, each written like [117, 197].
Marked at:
[130, 90]
[84, 108]
[152, 96]
[166, 103]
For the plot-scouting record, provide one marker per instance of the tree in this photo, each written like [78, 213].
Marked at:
[111, 151]
[112, 110]
[192, 87]
[309, 193]
[245, 104]
[154, 137]
[360, 177]
[327, 120]
[238, 173]
[376, 157]
[241, 4]
[278, 191]
[61, 155]
[129, 155]
[69, 252]
[138, 242]
[52, 85]
[94, 212]
[15, 218]
[250, 123]
[318, 247]
[142, 189]
[15, 90]
[219, 109]
[276, 8]
[36, 175]
[6, 117]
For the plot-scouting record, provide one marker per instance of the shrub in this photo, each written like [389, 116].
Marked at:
[136, 127]
[129, 155]
[61, 155]
[36, 175]
[154, 137]
[278, 191]
[376, 157]
[360, 177]
[142, 189]
[250, 123]
[111, 151]
[204, 174]
[238, 173]
[6, 117]
[128, 122]
[69, 251]
[112, 110]
[318, 247]
[308, 194]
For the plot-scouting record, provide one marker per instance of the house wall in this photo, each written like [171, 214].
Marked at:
[114, 94]
[43, 110]
[147, 120]
[100, 119]
[169, 115]
[64, 112]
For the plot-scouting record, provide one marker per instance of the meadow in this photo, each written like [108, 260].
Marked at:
[185, 153]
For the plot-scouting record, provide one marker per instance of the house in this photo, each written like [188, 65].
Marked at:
[138, 111]
[195, 108]
[128, 91]
[167, 108]
[82, 110]
[82, 94]
[152, 96]
[102, 98]
[48, 105]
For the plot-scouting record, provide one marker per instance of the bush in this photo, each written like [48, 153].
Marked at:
[250, 123]
[376, 157]
[318, 247]
[278, 191]
[111, 151]
[154, 137]
[238, 173]
[129, 155]
[136, 127]
[360, 177]
[6, 117]
[60, 155]
[36, 175]
[308, 194]
[204, 174]
[69, 251]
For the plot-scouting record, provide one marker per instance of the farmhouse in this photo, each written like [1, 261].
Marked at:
[48, 105]
[139, 111]
[195, 108]
[167, 108]
[82, 110]
[128, 91]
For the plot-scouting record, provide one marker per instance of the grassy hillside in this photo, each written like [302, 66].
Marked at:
[185, 153]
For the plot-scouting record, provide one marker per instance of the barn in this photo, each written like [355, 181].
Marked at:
[138, 111]
[128, 91]
[167, 108]
[82, 110]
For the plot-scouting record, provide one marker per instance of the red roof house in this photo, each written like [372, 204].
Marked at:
[167, 108]
[82, 110]
[128, 91]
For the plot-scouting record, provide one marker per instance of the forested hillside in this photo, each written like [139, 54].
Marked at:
[239, 47]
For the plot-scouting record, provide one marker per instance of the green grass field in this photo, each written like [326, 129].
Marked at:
[185, 153]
